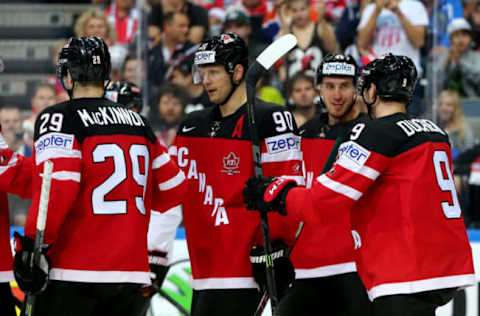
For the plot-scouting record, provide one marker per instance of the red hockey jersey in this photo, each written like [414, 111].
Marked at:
[216, 155]
[327, 250]
[15, 177]
[395, 176]
[107, 167]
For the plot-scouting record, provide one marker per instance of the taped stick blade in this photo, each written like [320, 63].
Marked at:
[276, 50]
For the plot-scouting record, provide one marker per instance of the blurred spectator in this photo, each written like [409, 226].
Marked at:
[459, 68]
[397, 27]
[467, 167]
[314, 41]
[215, 21]
[256, 11]
[452, 120]
[446, 11]
[180, 73]
[474, 19]
[238, 22]
[197, 16]
[301, 97]
[129, 71]
[43, 97]
[173, 44]
[346, 28]
[394, 26]
[94, 23]
[60, 92]
[172, 100]
[124, 18]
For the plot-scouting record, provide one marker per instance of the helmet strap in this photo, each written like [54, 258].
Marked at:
[369, 104]
[234, 86]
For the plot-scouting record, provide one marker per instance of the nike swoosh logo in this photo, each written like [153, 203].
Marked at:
[301, 131]
[188, 129]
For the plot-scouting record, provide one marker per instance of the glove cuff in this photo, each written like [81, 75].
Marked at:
[277, 193]
[158, 258]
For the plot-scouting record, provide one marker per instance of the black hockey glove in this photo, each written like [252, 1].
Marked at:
[267, 194]
[158, 267]
[284, 271]
[30, 277]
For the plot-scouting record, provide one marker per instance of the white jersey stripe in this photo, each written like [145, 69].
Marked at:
[299, 179]
[56, 153]
[360, 169]
[224, 283]
[325, 271]
[410, 287]
[281, 156]
[339, 187]
[173, 182]
[160, 161]
[141, 277]
[6, 276]
[13, 161]
[66, 175]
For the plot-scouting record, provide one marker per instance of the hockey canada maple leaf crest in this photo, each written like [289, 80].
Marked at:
[230, 163]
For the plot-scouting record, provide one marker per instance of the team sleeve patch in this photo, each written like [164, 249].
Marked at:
[281, 143]
[353, 152]
[55, 145]
[57, 141]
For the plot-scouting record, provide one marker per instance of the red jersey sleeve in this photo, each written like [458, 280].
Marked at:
[64, 151]
[350, 177]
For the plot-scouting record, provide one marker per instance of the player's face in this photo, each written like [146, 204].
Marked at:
[300, 12]
[96, 27]
[170, 108]
[338, 94]
[303, 93]
[216, 82]
[446, 108]
[44, 98]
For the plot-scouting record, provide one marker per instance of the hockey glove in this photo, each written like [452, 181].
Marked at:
[284, 271]
[267, 194]
[30, 277]
[158, 266]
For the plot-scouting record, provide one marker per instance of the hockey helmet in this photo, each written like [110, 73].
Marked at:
[125, 93]
[87, 59]
[394, 77]
[227, 49]
[337, 65]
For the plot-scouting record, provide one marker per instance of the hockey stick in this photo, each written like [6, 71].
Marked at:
[41, 222]
[328, 164]
[164, 294]
[260, 66]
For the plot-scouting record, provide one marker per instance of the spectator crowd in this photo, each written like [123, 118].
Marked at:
[442, 41]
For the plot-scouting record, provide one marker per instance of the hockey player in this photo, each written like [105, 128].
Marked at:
[17, 184]
[411, 248]
[213, 147]
[326, 278]
[107, 166]
[125, 93]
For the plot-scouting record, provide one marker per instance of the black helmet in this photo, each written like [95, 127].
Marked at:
[394, 77]
[226, 49]
[337, 65]
[125, 93]
[87, 59]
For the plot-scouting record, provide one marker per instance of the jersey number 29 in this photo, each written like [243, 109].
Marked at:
[99, 155]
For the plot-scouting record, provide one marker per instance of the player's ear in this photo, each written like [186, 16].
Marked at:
[370, 93]
[67, 80]
[238, 73]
